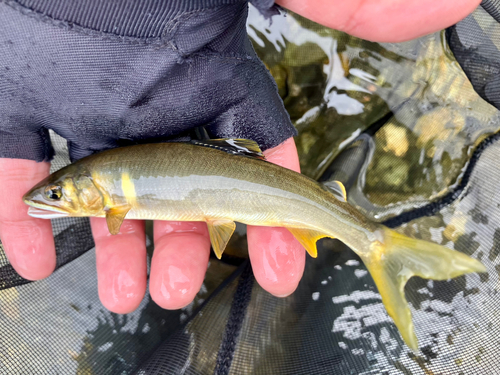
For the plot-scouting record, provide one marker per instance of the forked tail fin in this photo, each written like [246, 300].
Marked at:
[393, 262]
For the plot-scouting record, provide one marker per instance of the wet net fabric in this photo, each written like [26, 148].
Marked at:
[411, 134]
[474, 42]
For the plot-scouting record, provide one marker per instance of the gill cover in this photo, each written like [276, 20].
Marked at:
[89, 195]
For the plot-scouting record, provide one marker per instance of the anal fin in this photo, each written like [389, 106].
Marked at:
[220, 232]
[308, 239]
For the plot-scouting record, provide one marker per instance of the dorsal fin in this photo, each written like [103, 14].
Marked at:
[337, 189]
[234, 146]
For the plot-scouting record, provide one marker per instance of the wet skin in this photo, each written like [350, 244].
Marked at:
[384, 21]
[277, 258]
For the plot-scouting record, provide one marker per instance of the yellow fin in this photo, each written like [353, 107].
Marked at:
[397, 259]
[115, 217]
[308, 239]
[337, 188]
[220, 233]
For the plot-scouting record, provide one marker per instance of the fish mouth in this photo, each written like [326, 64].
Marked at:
[45, 212]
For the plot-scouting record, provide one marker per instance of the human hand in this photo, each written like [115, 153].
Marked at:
[114, 86]
[134, 105]
[384, 21]
[181, 252]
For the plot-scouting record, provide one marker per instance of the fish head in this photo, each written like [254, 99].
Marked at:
[65, 193]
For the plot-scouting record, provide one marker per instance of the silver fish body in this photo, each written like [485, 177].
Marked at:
[186, 182]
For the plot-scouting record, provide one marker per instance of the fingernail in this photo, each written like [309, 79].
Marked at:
[282, 295]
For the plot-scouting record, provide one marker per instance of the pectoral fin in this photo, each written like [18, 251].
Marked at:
[308, 239]
[115, 217]
[220, 233]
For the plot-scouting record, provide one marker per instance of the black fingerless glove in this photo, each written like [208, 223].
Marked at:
[105, 73]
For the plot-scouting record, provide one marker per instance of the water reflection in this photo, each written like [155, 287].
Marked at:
[312, 67]
[335, 86]
[418, 155]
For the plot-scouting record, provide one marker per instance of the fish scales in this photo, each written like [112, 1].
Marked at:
[214, 183]
[198, 182]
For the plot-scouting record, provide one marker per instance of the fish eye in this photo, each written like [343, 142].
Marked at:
[53, 192]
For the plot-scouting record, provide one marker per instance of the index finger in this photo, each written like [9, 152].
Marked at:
[28, 242]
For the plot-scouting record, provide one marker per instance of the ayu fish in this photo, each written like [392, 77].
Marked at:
[224, 181]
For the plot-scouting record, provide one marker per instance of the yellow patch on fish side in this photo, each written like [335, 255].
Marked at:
[68, 188]
[128, 189]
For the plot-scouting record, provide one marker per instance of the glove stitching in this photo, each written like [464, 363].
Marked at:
[255, 62]
[170, 32]
[179, 20]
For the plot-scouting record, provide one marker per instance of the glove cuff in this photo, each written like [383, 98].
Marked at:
[130, 18]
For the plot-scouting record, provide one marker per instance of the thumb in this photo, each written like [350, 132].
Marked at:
[28, 242]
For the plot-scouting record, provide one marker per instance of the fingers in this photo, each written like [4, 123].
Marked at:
[278, 259]
[384, 21]
[179, 262]
[178, 266]
[121, 264]
[28, 242]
